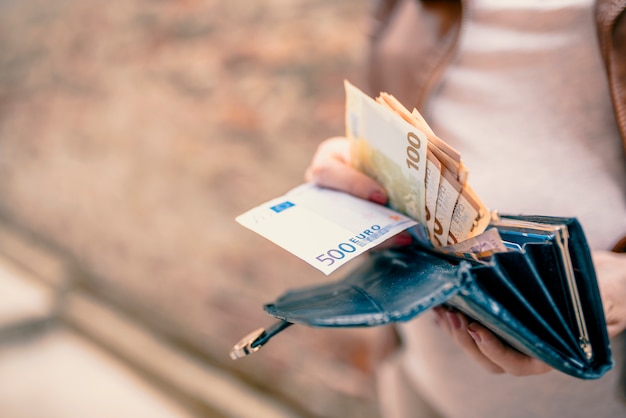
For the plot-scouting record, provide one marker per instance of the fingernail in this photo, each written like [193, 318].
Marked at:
[455, 322]
[471, 329]
[378, 197]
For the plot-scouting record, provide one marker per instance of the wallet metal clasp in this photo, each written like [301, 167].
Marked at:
[244, 346]
[253, 342]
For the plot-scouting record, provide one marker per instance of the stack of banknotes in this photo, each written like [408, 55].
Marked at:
[423, 176]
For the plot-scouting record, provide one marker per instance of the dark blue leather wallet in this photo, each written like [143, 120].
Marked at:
[540, 296]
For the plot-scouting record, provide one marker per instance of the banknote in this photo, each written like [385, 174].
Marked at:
[470, 217]
[433, 178]
[479, 246]
[442, 150]
[324, 227]
[439, 197]
[390, 150]
[449, 191]
[424, 177]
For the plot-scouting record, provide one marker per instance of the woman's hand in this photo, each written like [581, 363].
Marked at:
[331, 168]
[485, 347]
[611, 272]
[495, 356]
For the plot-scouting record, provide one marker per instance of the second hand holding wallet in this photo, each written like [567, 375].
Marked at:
[540, 295]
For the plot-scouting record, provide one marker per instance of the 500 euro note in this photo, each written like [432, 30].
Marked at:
[424, 177]
[326, 228]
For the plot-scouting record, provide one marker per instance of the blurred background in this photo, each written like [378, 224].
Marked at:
[131, 135]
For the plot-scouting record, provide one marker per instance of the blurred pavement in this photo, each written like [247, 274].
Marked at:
[132, 133]
[65, 355]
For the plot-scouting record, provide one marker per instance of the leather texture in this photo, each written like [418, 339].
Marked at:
[393, 285]
[522, 296]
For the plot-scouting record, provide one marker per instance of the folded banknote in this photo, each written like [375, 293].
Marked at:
[423, 176]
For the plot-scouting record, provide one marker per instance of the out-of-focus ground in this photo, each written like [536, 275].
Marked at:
[131, 135]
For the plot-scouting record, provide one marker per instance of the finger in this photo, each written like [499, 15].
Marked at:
[400, 240]
[458, 324]
[331, 168]
[440, 318]
[332, 154]
[337, 175]
[507, 358]
[611, 272]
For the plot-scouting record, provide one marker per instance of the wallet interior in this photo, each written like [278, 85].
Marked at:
[544, 282]
[540, 296]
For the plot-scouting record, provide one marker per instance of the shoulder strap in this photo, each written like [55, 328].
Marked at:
[611, 24]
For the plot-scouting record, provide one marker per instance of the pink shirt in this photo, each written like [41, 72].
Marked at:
[527, 105]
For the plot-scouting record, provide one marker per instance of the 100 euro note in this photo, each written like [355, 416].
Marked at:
[424, 177]
[388, 149]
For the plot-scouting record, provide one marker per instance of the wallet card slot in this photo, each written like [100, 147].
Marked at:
[550, 269]
[523, 275]
[498, 284]
[478, 304]
[530, 231]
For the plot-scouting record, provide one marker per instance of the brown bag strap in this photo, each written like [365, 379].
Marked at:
[620, 247]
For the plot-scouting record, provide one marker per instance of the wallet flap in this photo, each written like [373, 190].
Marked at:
[392, 285]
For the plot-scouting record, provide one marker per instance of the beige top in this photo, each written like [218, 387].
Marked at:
[527, 105]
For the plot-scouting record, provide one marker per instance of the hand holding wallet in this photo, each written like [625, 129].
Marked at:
[534, 286]
[540, 295]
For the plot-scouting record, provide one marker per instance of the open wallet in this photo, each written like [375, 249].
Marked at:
[540, 295]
